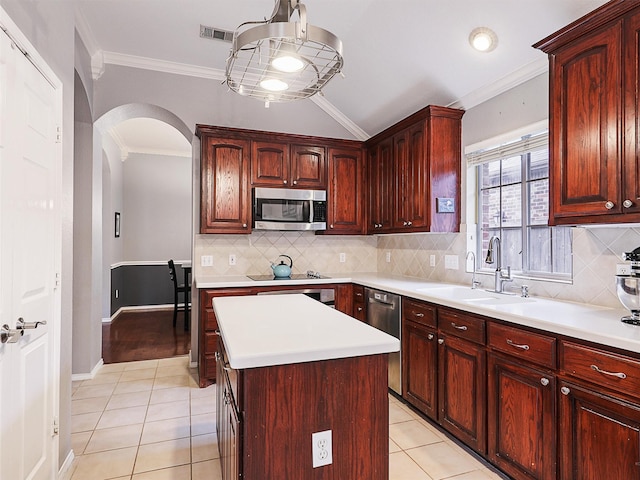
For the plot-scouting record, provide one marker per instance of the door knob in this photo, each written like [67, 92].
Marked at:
[22, 325]
[9, 335]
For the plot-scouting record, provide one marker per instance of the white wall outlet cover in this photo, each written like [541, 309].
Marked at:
[621, 269]
[432, 260]
[232, 259]
[206, 261]
[343, 257]
[322, 448]
[387, 257]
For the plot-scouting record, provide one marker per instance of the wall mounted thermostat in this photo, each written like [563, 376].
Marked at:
[445, 205]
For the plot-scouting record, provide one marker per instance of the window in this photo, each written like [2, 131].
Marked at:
[513, 204]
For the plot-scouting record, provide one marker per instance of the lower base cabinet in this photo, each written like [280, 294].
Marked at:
[521, 419]
[599, 435]
[227, 420]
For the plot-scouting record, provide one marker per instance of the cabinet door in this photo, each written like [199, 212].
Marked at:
[411, 179]
[345, 194]
[402, 197]
[420, 367]
[521, 419]
[632, 115]
[599, 435]
[308, 167]
[586, 104]
[381, 187]
[462, 390]
[269, 164]
[225, 206]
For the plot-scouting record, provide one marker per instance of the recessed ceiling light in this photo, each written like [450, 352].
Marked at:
[483, 39]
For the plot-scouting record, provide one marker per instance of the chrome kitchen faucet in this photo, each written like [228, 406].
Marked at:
[493, 256]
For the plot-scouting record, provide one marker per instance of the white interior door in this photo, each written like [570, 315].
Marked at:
[29, 259]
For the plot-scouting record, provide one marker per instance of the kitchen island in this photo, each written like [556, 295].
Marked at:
[290, 367]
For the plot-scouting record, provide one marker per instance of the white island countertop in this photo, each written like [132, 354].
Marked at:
[268, 330]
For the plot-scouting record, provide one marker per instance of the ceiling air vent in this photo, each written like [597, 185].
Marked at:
[215, 33]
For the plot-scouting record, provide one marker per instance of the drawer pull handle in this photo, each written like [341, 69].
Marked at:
[611, 374]
[459, 327]
[517, 345]
[419, 315]
[565, 390]
[430, 336]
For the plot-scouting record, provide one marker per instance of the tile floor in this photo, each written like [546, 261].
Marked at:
[148, 420]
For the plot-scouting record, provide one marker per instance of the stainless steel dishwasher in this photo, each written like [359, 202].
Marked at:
[383, 313]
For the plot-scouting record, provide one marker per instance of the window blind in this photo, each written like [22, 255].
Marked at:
[524, 145]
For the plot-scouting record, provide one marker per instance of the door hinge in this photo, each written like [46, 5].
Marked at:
[58, 134]
[56, 283]
[56, 427]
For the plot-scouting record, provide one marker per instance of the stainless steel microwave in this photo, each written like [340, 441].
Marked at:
[289, 209]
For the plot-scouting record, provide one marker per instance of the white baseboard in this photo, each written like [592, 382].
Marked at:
[65, 471]
[140, 308]
[76, 377]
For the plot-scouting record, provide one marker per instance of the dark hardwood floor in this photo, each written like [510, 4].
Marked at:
[144, 336]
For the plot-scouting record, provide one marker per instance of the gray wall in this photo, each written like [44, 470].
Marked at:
[49, 26]
[156, 214]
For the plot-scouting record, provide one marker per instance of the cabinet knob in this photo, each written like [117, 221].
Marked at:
[359, 309]
[440, 341]
[627, 203]
[295, 182]
[565, 390]
[409, 224]
[609, 205]
[430, 336]
[284, 181]
[544, 381]
[404, 223]
[244, 225]
[331, 226]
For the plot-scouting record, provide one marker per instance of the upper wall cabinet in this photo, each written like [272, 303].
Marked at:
[279, 164]
[594, 112]
[414, 174]
[345, 196]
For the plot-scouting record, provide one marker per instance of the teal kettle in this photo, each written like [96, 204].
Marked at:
[282, 270]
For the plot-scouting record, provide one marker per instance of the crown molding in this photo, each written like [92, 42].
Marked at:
[85, 32]
[165, 66]
[517, 77]
[119, 141]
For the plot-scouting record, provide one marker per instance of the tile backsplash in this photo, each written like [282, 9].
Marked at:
[596, 251]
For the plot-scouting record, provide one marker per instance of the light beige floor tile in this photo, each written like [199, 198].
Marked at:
[441, 460]
[181, 360]
[136, 386]
[172, 370]
[84, 422]
[202, 424]
[204, 392]
[204, 447]
[413, 433]
[165, 395]
[402, 467]
[112, 438]
[122, 416]
[183, 472]
[398, 413]
[140, 365]
[103, 390]
[476, 475]
[130, 375]
[124, 400]
[88, 405]
[163, 455]
[173, 381]
[79, 441]
[393, 447]
[161, 411]
[170, 429]
[209, 470]
[493, 475]
[203, 405]
[102, 378]
[112, 367]
[104, 465]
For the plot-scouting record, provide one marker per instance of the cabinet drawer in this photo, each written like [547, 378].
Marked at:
[611, 370]
[210, 343]
[358, 293]
[536, 348]
[462, 325]
[419, 312]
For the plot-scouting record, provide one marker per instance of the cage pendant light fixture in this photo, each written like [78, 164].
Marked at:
[280, 60]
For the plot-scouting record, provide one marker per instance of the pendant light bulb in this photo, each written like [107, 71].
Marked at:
[287, 63]
[274, 85]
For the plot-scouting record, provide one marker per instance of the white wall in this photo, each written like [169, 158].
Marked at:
[156, 213]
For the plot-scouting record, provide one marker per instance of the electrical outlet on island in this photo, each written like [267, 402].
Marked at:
[321, 448]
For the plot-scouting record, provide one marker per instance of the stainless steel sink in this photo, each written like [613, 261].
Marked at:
[473, 296]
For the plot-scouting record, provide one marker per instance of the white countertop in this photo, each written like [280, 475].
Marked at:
[587, 322]
[267, 330]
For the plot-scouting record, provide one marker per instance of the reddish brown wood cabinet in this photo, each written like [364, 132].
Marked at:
[594, 114]
[413, 164]
[359, 303]
[521, 406]
[280, 164]
[345, 195]
[225, 205]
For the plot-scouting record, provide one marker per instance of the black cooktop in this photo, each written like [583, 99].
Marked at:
[295, 276]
